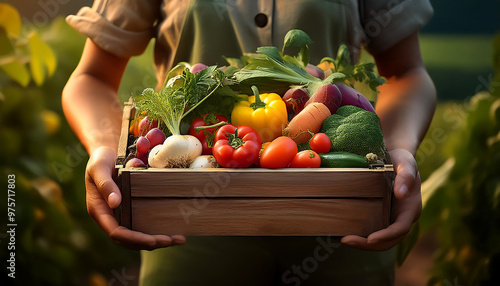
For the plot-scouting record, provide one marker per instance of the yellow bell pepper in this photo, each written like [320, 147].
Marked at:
[265, 113]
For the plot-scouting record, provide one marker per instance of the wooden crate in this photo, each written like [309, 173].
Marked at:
[254, 201]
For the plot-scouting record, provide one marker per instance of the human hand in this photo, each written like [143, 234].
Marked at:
[103, 195]
[406, 209]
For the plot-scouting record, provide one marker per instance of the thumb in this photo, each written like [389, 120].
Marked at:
[100, 170]
[406, 173]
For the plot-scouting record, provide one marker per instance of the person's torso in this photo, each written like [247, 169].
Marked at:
[207, 30]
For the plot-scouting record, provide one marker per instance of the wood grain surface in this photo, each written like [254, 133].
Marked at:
[258, 182]
[258, 217]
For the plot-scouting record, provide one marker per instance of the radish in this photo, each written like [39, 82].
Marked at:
[135, 163]
[315, 71]
[171, 105]
[329, 95]
[196, 68]
[155, 137]
[295, 98]
[350, 96]
[146, 125]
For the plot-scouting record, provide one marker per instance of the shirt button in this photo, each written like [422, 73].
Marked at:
[260, 20]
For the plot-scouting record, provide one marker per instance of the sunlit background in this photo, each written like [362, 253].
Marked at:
[454, 243]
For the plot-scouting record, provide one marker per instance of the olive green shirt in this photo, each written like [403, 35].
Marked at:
[205, 30]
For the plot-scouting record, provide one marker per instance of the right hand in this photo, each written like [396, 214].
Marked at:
[103, 195]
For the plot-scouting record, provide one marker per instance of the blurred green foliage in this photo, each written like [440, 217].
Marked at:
[57, 243]
[462, 197]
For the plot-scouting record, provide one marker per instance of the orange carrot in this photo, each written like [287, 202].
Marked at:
[307, 122]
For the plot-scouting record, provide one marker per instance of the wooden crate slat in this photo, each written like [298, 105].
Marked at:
[122, 144]
[366, 183]
[258, 217]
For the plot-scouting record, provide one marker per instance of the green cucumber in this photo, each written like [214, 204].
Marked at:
[343, 160]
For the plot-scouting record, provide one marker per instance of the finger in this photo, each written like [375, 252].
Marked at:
[364, 244]
[388, 237]
[128, 238]
[178, 239]
[138, 240]
[381, 240]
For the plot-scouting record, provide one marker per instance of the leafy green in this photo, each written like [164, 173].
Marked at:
[275, 71]
[298, 39]
[180, 96]
[362, 76]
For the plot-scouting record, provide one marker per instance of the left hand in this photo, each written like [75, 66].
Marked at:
[406, 208]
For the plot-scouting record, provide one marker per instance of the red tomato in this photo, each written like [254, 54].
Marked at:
[206, 136]
[306, 159]
[279, 153]
[320, 143]
[236, 147]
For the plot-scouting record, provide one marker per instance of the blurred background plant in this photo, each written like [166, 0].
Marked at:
[59, 244]
[462, 197]
[56, 242]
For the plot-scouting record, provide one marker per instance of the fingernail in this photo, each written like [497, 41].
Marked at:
[113, 200]
[403, 190]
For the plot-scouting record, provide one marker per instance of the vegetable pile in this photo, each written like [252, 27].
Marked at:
[268, 109]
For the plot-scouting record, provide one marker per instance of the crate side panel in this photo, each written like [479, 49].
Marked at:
[257, 217]
[123, 141]
[267, 183]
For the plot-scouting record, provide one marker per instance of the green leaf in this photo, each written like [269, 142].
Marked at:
[17, 71]
[176, 71]
[436, 180]
[42, 59]
[10, 20]
[6, 47]
[343, 60]
[173, 103]
[296, 39]
[335, 77]
[327, 59]
[234, 62]
[303, 56]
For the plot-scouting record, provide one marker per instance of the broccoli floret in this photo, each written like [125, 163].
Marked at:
[355, 130]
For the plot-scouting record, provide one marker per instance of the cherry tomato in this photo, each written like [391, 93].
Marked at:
[279, 153]
[306, 159]
[320, 143]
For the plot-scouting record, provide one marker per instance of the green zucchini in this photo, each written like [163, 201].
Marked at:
[343, 160]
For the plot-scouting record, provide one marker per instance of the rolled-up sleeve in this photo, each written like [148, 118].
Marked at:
[385, 23]
[121, 27]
